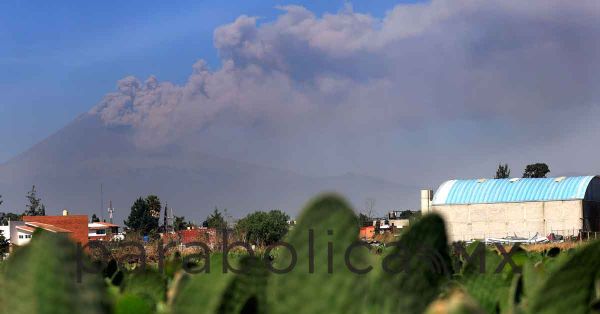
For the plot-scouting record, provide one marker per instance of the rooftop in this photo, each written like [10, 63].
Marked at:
[477, 191]
[101, 225]
[47, 227]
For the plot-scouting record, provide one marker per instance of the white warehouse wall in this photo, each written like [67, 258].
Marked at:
[478, 221]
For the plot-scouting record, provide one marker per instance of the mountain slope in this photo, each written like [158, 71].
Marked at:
[69, 166]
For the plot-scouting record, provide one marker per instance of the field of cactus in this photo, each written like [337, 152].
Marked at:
[420, 273]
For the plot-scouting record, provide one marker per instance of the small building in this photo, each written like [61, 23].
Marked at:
[22, 235]
[399, 223]
[367, 233]
[398, 219]
[102, 231]
[523, 207]
[75, 225]
[22, 231]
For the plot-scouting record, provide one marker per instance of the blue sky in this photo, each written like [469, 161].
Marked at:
[58, 58]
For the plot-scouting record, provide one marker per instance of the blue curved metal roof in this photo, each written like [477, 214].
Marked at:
[511, 190]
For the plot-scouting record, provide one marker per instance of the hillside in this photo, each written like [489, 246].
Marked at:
[69, 166]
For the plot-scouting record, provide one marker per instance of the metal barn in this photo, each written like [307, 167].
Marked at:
[480, 208]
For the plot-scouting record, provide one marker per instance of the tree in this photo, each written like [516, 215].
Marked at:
[4, 244]
[1, 201]
[537, 170]
[406, 214]
[6, 217]
[141, 218]
[263, 228]
[165, 223]
[364, 220]
[503, 172]
[35, 206]
[95, 218]
[215, 220]
[179, 223]
[154, 205]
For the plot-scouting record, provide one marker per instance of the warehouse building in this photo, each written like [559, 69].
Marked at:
[523, 207]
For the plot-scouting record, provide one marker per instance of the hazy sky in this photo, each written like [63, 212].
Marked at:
[432, 91]
[58, 58]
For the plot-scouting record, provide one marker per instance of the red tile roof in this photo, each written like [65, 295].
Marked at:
[77, 225]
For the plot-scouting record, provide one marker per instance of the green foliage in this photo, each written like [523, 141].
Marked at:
[537, 170]
[571, 287]
[34, 206]
[333, 224]
[503, 172]
[179, 223]
[95, 218]
[154, 205]
[131, 303]
[417, 267]
[6, 217]
[215, 220]
[141, 217]
[201, 291]
[490, 289]
[219, 292]
[149, 286]
[263, 228]
[246, 293]
[364, 220]
[41, 278]
[4, 244]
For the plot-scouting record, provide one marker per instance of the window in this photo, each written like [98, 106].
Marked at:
[28, 236]
[20, 236]
[100, 231]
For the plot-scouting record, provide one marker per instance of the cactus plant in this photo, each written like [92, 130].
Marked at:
[320, 282]
[218, 292]
[42, 278]
[570, 288]
[418, 265]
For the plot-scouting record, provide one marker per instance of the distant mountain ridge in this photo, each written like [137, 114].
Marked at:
[69, 166]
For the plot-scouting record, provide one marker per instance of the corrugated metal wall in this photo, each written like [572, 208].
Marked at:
[484, 191]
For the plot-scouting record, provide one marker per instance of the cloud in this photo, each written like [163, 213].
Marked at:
[516, 67]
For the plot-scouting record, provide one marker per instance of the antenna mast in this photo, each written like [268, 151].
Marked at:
[101, 203]
[111, 210]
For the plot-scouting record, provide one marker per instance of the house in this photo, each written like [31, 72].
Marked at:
[102, 231]
[75, 225]
[398, 219]
[524, 207]
[22, 232]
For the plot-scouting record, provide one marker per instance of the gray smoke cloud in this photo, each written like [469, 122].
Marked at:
[439, 78]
